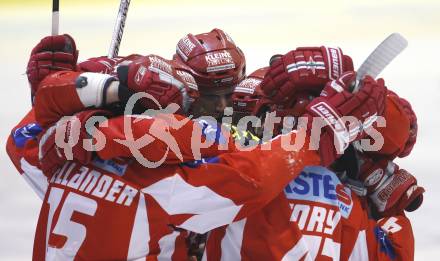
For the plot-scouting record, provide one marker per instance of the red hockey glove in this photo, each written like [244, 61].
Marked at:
[390, 189]
[335, 102]
[64, 141]
[306, 68]
[156, 77]
[101, 64]
[412, 125]
[52, 53]
[400, 132]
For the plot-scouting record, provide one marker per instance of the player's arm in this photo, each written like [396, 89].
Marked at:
[22, 149]
[230, 187]
[167, 138]
[68, 92]
[391, 238]
[390, 189]
[173, 137]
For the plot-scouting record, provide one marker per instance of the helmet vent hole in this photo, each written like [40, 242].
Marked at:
[218, 38]
[201, 41]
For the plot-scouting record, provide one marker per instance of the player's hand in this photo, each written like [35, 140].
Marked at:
[101, 64]
[335, 103]
[156, 77]
[51, 54]
[390, 189]
[306, 68]
[64, 141]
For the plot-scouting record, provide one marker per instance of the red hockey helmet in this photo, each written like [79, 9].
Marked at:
[214, 60]
[247, 93]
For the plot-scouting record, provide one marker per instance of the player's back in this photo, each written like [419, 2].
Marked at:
[98, 212]
[130, 211]
[315, 218]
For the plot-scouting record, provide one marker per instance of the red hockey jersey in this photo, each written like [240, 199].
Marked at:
[22, 149]
[132, 212]
[316, 218]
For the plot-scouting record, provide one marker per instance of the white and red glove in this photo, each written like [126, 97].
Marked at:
[65, 140]
[336, 102]
[390, 189]
[51, 54]
[304, 69]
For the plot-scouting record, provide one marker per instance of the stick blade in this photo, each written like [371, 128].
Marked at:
[384, 53]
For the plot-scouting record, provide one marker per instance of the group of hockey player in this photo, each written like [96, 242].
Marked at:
[225, 202]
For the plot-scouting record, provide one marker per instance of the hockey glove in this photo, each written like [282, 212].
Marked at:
[412, 125]
[390, 189]
[51, 54]
[304, 69]
[65, 140]
[336, 102]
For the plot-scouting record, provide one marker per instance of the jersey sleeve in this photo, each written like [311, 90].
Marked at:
[22, 149]
[391, 238]
[229, 187]
[167, 137]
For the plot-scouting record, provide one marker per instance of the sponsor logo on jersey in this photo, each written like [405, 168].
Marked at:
[25, 133]
[112, 166]
[318, 184]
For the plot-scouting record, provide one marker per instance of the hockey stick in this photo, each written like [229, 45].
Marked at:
[119, 28]
[384, 53]
[376, 62]
[55, 16]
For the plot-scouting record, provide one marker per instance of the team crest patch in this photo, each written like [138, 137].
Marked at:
[25, 133]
